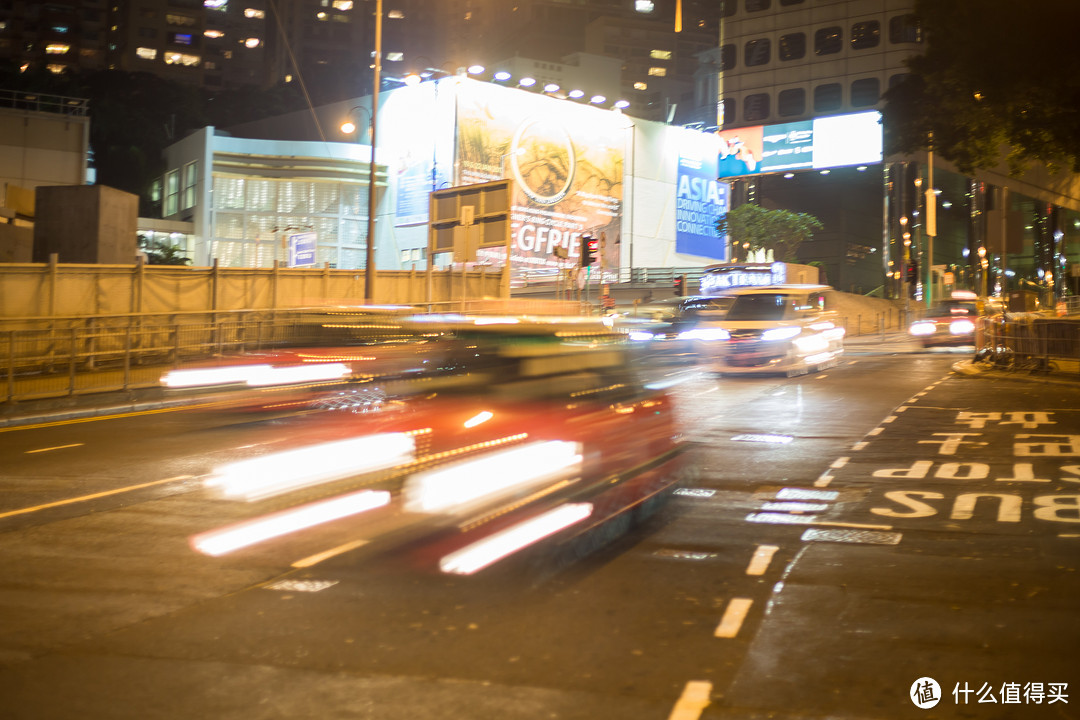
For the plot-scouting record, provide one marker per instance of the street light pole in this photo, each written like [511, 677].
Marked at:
[369, 263]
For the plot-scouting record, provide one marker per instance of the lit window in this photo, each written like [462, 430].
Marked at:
[227, 54]
[146, 53]
[398, 15]
[175, 58]
[641, 86]
[184, 20]
[213, 33]
[339, 18]
[56, 49]
[3, 24]
[55, 69]
[644, 6]
[188, 196]
[215, 4]
[172, 192]
[658, 72]
[62, 29]
[288, 78]
[181, 38]
[660, 54]
[254, 13]
[395, 57]
[342, 4]
[321, 15]
[251, 42]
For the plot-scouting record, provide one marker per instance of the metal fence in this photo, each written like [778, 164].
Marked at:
[1029, 343]
[65, 356]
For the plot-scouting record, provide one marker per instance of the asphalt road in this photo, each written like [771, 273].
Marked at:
[836, 538]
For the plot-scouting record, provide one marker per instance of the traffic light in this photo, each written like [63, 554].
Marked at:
[590, 246]
[680, 283]
[913, 273]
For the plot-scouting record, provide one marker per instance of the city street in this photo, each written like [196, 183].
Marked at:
[865, 542]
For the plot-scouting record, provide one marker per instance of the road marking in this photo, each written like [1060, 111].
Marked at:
[804, 494]
[58, 447]
[876, 431]
[759, 563]
[84, 498]
[694, 699]
[823, 480]
[794, 507]
[859, 445]
[821, 377]
[327, 554]
[902, 408]
[787, 519]
[1069, 535]
[891, 418]
[864, 537]
[839, 463]
[733, 617]
[74, 421]
[311, 586]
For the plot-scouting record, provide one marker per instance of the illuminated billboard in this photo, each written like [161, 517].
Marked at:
[820, 143]
[700, 199]
[566, 161]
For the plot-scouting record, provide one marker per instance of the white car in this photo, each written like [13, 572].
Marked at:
[782, 329]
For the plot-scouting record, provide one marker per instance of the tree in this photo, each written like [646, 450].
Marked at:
[161, 253]
[993, 77]
[750, 227]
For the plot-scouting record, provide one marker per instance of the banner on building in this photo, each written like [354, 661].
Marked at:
[700, 199]
[566, 161]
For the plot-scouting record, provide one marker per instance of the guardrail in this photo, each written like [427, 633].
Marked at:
[72, 355]
[1029, 343]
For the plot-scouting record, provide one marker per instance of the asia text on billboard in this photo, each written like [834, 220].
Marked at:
[566, 161]
[820, 143]
[700, 199]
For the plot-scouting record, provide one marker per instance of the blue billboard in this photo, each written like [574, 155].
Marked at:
[700, 200]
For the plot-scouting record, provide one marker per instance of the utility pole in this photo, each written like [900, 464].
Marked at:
[369, 257]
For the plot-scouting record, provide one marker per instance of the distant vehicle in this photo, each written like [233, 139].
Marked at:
[669, 326]
[950, 322]
[781, 329]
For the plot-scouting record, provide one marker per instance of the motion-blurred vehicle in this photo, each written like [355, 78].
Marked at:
[772, 329]
[669, 328]
[950, 322]
[545, 432]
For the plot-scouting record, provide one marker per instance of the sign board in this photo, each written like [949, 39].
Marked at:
[824, 142]
[301, 247]
[482, 208]
[718, 278]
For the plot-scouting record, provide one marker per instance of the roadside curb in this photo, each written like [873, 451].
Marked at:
[61, 415]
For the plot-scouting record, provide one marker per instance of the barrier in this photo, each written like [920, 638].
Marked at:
[1029, 342]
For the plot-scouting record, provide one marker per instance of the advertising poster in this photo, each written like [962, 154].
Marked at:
[700, 198]
[741, 151]
[825, 142]
[413, 136]
[566, 161]
[788, 146]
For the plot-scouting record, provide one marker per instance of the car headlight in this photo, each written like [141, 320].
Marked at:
[640, 336]
[711, 334]
[812, 343]
[922, 328]
[781, 333]
[961, 327]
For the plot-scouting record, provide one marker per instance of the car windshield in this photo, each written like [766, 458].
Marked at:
[707, 308]
[763, 306]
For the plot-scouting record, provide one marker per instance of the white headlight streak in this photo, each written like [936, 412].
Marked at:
[282, 472]
[226, 540]
[489, 477]
[493, 548]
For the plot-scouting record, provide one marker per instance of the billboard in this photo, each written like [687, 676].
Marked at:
[700, 199]
[566, 161]
[820, 143]
[416, 139]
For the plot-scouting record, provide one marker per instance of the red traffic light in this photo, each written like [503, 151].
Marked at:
[590, 247]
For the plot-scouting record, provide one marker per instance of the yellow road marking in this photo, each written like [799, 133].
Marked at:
[133, 413]
[327, 554]
[58, 447]
[84, 498]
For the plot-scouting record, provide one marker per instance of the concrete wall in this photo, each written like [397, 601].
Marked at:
[86, 224]
[39, 148]
[16, 243]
